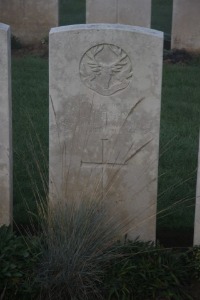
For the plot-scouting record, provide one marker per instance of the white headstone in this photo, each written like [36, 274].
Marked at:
[197, 207]
[5, 128]
[130, 12]
[186, 25]
[30, 20]
[105, 92]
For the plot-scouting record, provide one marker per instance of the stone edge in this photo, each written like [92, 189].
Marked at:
[196, 240]
[103, 26]
[4, 27]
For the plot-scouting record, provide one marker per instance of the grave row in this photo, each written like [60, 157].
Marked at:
[31, 20]
[105, 96]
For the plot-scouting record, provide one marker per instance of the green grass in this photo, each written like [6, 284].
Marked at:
[180, 125]
[30, 102]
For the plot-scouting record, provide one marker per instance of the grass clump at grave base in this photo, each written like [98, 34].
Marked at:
[76, 248]
[81, 260]
[77, 260]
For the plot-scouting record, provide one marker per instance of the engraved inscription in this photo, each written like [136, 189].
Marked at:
[106, 69]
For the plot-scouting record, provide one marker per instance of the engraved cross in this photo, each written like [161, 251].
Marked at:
[102, 164]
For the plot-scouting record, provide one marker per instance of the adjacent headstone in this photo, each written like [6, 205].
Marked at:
[105, 92]
[186, 25]
[5, 128]
[30, 20]
[130, 12]
[197, 207]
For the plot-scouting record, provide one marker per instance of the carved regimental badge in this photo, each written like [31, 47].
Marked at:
[106, 69]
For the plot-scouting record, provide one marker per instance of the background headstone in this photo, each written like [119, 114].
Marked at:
[5, 128]
[130, 12]
[30, 20]
[186, 25]
[105, 92]
[197, 207]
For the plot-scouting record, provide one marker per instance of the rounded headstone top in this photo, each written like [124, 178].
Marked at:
[4, 27]
[103, 26]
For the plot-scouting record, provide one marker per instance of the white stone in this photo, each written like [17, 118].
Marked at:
[105, 94]
[186, 25]
[130, 12]
[197, 207]
[30, 20]
[5, 128]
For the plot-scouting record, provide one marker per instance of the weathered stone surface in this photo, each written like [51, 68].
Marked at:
[105, 91]
[186, 25]
[5, 128]
[197, 207]
[30, 20]
[130, 12]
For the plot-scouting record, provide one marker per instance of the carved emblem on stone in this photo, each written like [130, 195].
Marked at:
[106, 69]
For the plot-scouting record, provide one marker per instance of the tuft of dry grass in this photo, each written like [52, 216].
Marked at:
[76, 245]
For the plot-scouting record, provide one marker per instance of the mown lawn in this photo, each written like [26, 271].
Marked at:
[30, 127]
[179, 127]
[179, 142]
